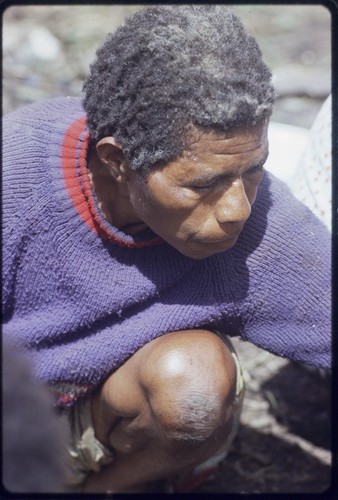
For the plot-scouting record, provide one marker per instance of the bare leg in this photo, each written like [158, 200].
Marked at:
[168, 408]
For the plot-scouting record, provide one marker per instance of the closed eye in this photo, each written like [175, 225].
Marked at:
[256, 169]
[205, 187]
[220, 180]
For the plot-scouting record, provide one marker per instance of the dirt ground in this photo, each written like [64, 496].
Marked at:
[284, 441]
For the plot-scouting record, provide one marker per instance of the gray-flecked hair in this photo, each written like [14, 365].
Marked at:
[168, 68]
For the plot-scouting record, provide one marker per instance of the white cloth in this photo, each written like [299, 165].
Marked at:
[85, 453]
[311, 183]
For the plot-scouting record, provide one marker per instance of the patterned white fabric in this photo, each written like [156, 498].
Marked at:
[311, 183]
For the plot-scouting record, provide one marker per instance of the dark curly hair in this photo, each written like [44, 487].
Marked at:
[170, 67]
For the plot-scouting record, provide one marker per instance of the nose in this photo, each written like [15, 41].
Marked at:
[233, 205]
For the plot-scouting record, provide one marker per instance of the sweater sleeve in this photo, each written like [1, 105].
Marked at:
[26, 136]
[287, 255]
[20, 191]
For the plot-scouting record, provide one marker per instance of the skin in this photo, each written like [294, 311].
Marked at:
[198, 203]
[150, 410]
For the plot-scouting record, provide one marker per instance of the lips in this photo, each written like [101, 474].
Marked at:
[228, 239]
[227, 236]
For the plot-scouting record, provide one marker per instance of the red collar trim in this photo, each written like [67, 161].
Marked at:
[75, 174]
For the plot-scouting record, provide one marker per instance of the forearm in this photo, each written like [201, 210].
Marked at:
[132, 473]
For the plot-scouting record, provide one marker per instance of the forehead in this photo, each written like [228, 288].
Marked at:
[213, 152]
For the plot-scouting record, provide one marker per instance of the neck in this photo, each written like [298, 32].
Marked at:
[114, 205]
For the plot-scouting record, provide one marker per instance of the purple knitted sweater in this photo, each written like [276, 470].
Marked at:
[82, 296]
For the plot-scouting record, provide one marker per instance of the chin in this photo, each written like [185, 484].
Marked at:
[216, 248]
[204, 253]
[199, 250]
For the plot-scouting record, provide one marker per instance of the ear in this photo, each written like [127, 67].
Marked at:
[111, 155]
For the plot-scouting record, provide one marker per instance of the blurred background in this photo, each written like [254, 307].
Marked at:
[47, 51]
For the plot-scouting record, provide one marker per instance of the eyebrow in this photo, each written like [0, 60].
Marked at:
[209, 177]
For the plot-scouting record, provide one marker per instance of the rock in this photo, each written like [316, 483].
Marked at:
[43, 44]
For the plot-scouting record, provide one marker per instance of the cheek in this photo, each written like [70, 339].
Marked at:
[170, 212]
[140, 200]
[172, 205]
[160, 217]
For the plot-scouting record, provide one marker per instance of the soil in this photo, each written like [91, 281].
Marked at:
[284, 440]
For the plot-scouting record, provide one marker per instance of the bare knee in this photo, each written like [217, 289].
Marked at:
[189, 378]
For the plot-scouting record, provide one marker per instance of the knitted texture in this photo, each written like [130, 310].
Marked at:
[82, 296]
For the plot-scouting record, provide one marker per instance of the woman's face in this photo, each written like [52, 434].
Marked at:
[200, 202]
